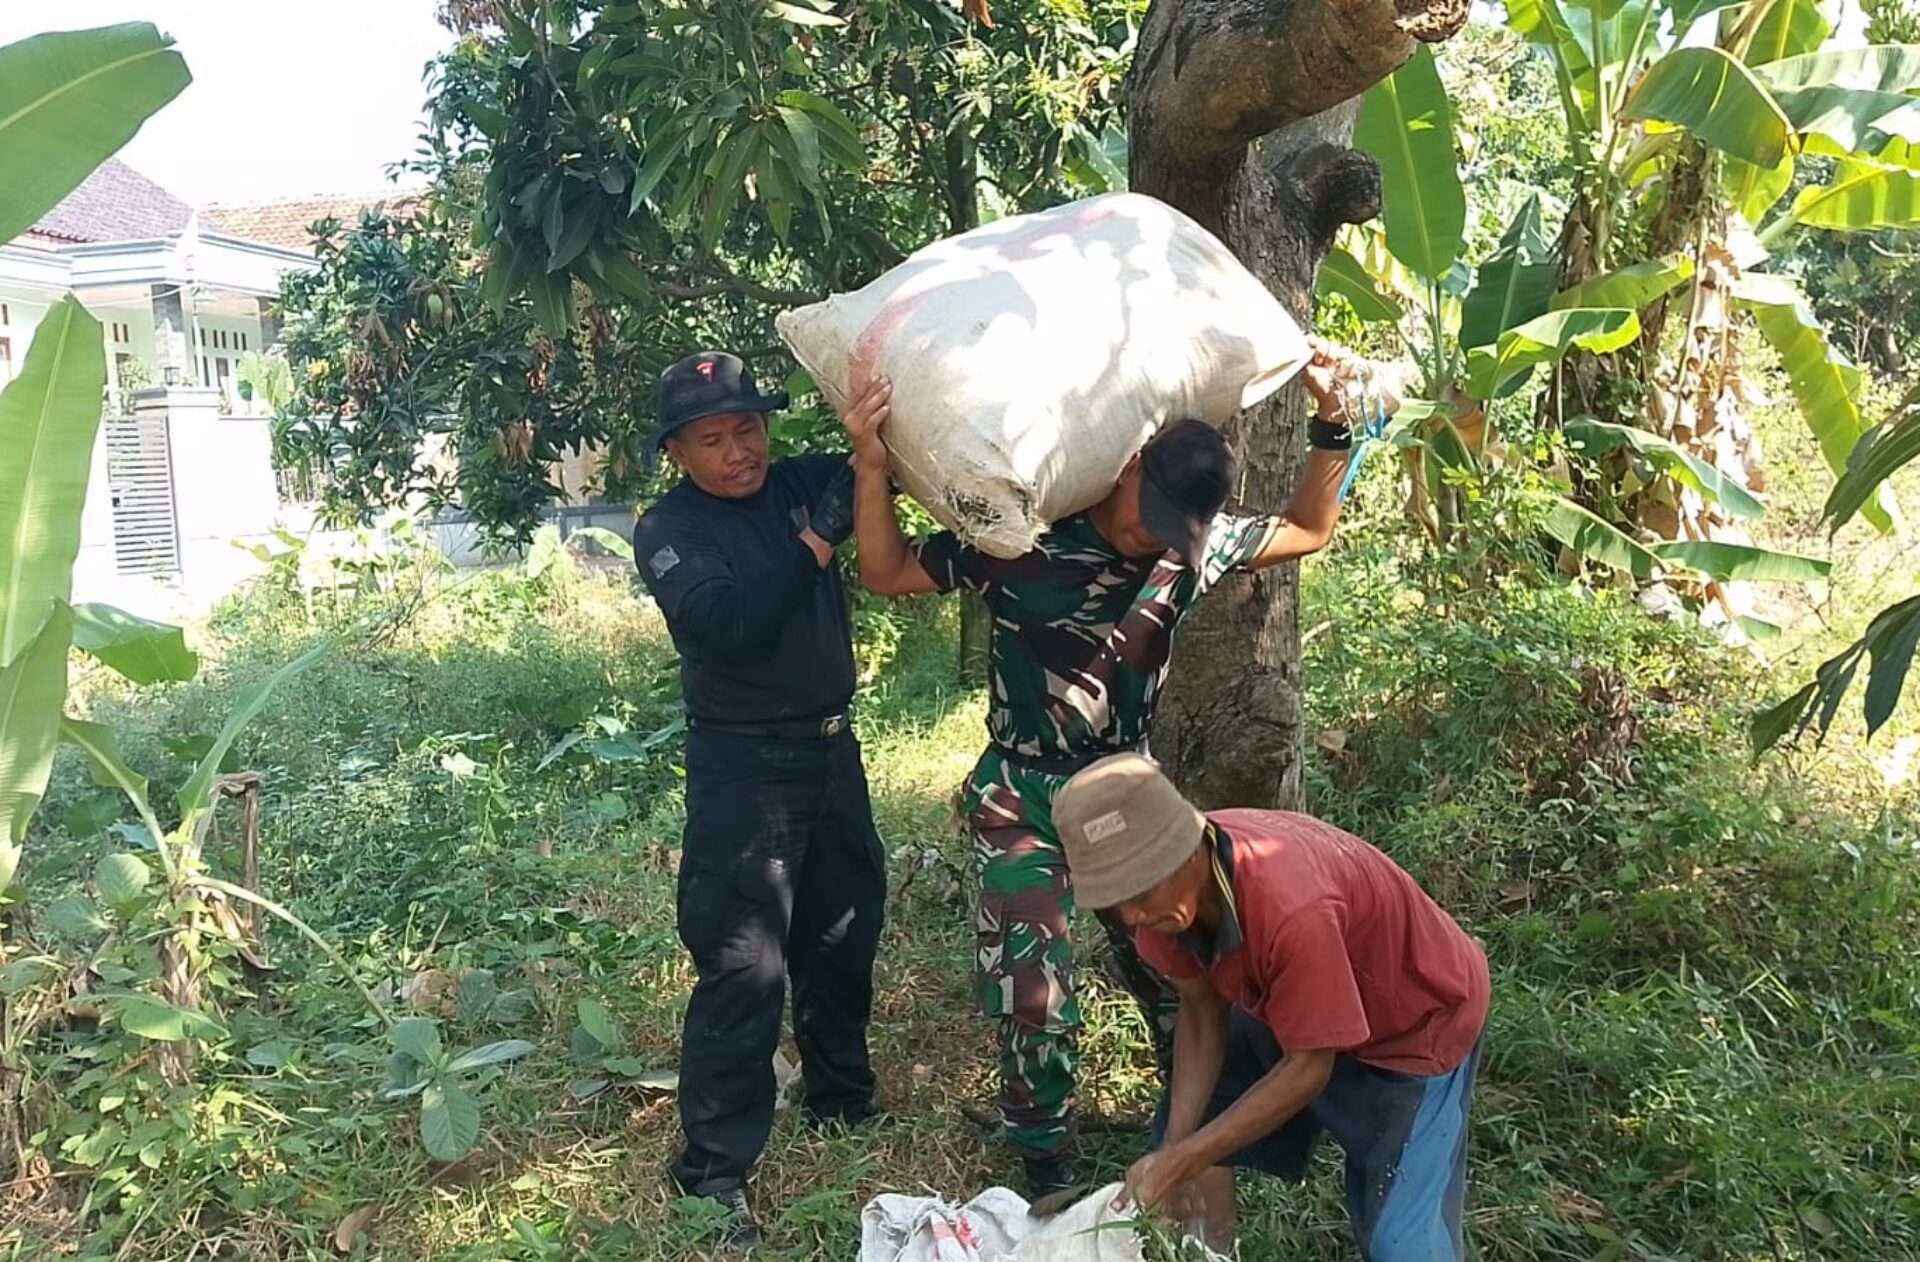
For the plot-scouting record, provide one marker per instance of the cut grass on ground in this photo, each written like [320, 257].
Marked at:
[1704, 1033]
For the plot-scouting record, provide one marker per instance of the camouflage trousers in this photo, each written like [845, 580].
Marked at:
[1025, 962]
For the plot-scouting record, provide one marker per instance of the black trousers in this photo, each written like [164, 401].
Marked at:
[782, 876]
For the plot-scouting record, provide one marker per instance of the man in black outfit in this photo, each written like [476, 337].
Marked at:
[782, 871]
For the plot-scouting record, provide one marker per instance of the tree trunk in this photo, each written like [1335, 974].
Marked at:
[1240, 113]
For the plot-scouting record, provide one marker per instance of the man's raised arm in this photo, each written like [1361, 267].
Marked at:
[1306, 524]
[887, 565]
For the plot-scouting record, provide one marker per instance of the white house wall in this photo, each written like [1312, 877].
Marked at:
[24, 311]
[223, 338]
[128, 328]
[46, 272]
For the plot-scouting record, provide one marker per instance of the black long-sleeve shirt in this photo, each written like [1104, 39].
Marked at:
[762, 629]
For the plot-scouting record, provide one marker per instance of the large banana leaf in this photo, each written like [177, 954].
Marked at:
[1341, 273]
[68, 101]
[1881, 452]
[145, 652]
[48, 417]
[1875, 68]
[1406, 123]
[109, 766]
[1633, 286]
[1739, 563]
[33, 688]
[1686, 12]
[1825, 384]
[1593, 538]
[1600, 437]
[1718, 100]
[1790, 28]
[1605, 28]
[1855, 119]
[1753, 190]
[1544, 340]
[1862, 195]
[1514, 285]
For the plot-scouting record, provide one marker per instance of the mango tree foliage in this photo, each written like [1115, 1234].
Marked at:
[792, 148]
[615, 185]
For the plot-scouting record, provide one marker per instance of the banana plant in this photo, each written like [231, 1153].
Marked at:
[68, 101]
[1483, 334]
[1688, 119]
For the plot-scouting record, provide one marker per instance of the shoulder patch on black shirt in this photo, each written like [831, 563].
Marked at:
[662, 561]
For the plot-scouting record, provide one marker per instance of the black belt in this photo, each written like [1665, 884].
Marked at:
[1057, 764]
[781, 730]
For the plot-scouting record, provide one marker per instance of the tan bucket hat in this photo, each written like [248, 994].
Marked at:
[1125, 829]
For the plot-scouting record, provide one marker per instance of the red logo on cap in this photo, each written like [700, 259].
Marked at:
[705, 368]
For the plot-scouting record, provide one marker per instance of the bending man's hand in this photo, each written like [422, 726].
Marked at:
[1158, 1181]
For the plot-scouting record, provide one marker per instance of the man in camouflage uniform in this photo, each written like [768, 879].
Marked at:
[1083, 636]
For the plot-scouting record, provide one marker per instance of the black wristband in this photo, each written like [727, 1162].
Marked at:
[1326, 436]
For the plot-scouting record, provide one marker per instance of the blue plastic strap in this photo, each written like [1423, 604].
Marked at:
[1374, 426]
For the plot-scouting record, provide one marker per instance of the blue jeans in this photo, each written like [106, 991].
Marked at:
[1405, 1138]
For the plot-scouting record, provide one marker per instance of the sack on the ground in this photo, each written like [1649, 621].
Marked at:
[995, 1227]
[1032, 357]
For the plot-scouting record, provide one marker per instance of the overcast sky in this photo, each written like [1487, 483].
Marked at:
[293, 97]
[288, 98]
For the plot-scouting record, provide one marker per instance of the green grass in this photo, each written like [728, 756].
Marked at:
[1706, 1031]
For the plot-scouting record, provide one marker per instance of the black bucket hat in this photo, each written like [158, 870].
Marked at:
[711, 383]
[1186, 473]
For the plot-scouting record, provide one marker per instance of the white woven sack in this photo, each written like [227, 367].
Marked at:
[995, 1227]
[1032, 357]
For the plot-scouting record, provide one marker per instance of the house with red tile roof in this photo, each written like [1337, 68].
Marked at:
[183, 292]
[184, 465]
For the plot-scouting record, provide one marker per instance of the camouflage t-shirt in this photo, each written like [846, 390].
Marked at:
[1082, 636]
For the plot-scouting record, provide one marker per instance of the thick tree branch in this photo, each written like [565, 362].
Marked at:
[1213, 76]
[1331, 186]
[722, 279]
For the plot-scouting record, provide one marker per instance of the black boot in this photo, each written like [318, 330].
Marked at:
[855, 1118]
[1047, 1173]
[739, 1232]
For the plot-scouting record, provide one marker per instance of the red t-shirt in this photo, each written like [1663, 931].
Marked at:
[1339, 948]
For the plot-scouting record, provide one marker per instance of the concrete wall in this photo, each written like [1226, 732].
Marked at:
[223, 488]
[461, 540]
[224, 493]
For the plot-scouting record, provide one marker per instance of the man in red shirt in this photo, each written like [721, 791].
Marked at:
[1320, 990]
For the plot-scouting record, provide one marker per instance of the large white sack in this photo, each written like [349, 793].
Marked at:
[995, 1227]
[1032, 357]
